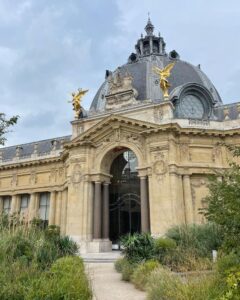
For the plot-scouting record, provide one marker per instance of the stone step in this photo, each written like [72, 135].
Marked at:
[104, 257]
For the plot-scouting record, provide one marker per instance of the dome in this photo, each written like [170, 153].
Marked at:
[150, 52]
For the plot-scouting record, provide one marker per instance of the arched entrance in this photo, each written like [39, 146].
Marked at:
[120, 196]
[124, 196]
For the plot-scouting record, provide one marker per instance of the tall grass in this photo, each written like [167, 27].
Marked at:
[27, 254]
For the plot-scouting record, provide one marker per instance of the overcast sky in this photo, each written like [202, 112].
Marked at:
[49, 48]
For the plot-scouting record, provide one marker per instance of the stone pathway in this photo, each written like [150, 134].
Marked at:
[107, 283]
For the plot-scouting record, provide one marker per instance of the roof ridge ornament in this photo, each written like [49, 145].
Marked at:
[149, 28]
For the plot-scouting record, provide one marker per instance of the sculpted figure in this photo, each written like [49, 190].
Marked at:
[164, 74]
[76, 101]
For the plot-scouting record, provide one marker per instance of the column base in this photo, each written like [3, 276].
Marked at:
[99, 245]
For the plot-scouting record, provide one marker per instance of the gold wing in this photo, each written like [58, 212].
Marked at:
[83, 92]
[165, 72]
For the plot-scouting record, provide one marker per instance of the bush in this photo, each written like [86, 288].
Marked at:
[27, 254]
[141, 274]
[201, 238]
[65, 280]
[163, 246]
[233, 286]
[227, 263]
[184, 260]
[119, 264]
[128, 268]
[163, 285]
[138, 247]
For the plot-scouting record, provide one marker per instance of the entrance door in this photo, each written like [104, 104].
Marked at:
[125, 211]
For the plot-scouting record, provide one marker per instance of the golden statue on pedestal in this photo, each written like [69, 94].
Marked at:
[163, 75]
[76, 102]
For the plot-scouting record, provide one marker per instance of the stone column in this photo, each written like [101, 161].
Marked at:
[58, 209]
[52, 208]
[97, 213]
[144, 204]
[64, 211]
[14, 204]
[32, 207]
[151, 45]
[188, 199]
[106, 210]
[1, 204]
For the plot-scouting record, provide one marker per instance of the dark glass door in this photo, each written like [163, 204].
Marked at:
[125, 213]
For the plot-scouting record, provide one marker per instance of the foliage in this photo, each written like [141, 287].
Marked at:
[141, 274]
[201, 239]
[4, 125]
[184, 260]
[164, 285]
[119, 263]
[164, 246]
[233, 286]
[224, 205]
[227, 263]
[65, 280]
[128, 268]
[27, 253]
[138, 247]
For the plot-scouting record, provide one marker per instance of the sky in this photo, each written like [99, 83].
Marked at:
[50, 48]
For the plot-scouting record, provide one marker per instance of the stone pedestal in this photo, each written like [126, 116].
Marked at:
[166, 109]
[99, 245]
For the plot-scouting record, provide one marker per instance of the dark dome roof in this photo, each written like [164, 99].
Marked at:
[145, 81]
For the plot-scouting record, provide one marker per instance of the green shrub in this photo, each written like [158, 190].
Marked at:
[65, 280]
[233, 286]
[128, 268]
[66, 246]
[138, 247]
[17, 246]
[119, 264]
[202, 238]
[163, 246]
[228, 262]
[184, 260]
[141, 274]
[163, 285]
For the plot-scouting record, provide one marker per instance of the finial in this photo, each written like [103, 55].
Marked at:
[149, 27]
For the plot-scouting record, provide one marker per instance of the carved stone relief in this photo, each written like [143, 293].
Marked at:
[33, 177]
[77, 175]
[184, 152]
[158, 114]
[53, 175]
[216, 153]
[14, 180]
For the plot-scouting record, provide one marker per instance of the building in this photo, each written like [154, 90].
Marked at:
[136, 161]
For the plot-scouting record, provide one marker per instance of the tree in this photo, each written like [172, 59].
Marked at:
[224, 203]
[4, 126]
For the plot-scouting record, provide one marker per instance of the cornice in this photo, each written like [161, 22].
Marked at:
[20, 164]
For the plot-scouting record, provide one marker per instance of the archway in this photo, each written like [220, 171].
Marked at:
[120, 197]
[124, 196]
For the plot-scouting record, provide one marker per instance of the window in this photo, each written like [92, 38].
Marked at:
[7, 204]
[44, 203]
[24, 202]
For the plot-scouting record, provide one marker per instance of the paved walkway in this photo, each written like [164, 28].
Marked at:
[107, 284]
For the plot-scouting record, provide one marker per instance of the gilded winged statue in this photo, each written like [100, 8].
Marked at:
[76, 102]
[164, 74]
